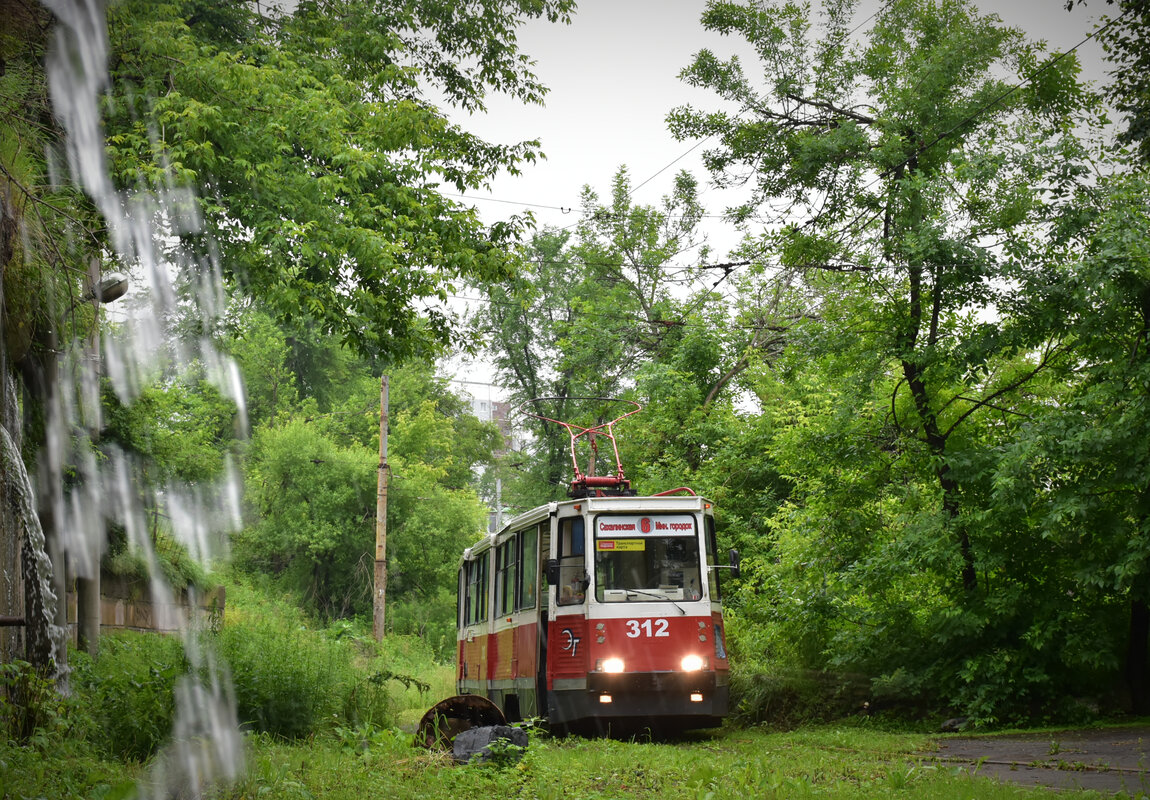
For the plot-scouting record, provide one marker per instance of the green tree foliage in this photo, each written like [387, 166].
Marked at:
[1125, 44]
[315, 505]
[316, 147]
[587, 309]
[262, 352]
[1078, 470]
[311, 475]
[904, 157]
[47, 228]
[1124, 37]
[913, 186]
[182, 429]
[318, 151]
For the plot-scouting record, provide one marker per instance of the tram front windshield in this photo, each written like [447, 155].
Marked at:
[646, 558]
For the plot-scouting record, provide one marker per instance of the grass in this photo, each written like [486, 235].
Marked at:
[360, 699]
[823, 762]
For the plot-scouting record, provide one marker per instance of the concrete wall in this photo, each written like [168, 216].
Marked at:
[130, 605]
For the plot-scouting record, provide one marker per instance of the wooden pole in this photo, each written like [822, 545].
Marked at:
[380, 594]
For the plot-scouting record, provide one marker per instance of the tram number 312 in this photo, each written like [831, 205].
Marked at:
[656, 628]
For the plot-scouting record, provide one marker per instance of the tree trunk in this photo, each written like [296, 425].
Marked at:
[21, 521]
[1136, 657]
[937, 443]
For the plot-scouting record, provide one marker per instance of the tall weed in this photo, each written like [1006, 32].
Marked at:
[129, 690]
[293, 679]
[287, 677]
[31, 710]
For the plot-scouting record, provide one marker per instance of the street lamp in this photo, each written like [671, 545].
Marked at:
[108, 289]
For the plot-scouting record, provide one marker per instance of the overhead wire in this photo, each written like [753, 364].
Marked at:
[626, 318]
[563, 209]
[675, 161]
[680, 267]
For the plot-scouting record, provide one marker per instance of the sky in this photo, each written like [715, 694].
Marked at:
[613, 77]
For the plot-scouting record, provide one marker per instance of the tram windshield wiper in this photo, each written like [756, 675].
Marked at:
[657, 596]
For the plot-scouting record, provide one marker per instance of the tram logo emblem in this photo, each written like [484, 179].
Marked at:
[571, 641]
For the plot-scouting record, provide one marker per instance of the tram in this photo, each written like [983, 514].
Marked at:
[601, 613]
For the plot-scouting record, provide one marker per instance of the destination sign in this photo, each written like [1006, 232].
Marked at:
[621, 527]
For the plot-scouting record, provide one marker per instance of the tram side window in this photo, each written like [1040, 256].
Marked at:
[712, 550]
[572, 564]
[461, 597]
[477, 590]
[505, 578]
[528, 567]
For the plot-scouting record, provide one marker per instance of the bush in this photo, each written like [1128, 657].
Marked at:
[431, 620]
[129, 690]
[286, 677]
[31, 710]
[290, 680]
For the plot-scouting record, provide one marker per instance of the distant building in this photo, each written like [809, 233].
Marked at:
[487, 408]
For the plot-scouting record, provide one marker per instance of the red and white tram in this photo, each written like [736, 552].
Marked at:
[601, 612]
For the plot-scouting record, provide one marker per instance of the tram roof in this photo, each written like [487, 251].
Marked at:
[627, 504]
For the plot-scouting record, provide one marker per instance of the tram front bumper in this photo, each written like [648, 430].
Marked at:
[623, 683]
[699, 699]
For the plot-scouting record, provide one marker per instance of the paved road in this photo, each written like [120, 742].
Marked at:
[1106, 760]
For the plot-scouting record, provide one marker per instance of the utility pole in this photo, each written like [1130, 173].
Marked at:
[380, 594]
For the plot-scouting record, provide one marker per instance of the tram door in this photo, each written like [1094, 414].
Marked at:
[543, 597]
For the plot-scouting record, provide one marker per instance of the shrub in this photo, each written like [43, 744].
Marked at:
[130, 690]
[431, 619]
[286, 677]
[31, 710]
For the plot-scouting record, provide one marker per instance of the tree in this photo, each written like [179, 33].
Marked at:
[317, 153]
[913, 198]
[181, 427]
[1079, 470]
[898, 163]
[262, 351]
[584, 310]
[311, 483]
[314, 145]
[312, 497]
[1124, 38]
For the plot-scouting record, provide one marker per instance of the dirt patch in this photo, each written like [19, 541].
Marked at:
[1108, 760]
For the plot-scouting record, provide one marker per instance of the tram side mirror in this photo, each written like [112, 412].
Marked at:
[553, 571]
[736, 560]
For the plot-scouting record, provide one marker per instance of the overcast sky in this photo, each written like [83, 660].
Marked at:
[613, 76]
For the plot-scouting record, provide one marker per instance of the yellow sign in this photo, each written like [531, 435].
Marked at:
[621, 545]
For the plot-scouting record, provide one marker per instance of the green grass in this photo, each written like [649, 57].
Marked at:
[327, 707]
[823, 762]
[833, 761]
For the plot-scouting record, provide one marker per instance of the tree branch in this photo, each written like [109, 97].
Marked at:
[825, 106]
[986, 401]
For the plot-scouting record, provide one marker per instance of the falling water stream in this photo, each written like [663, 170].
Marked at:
[144, 228]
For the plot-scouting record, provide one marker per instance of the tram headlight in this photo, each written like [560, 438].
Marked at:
[613, 664]
[691, 663]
